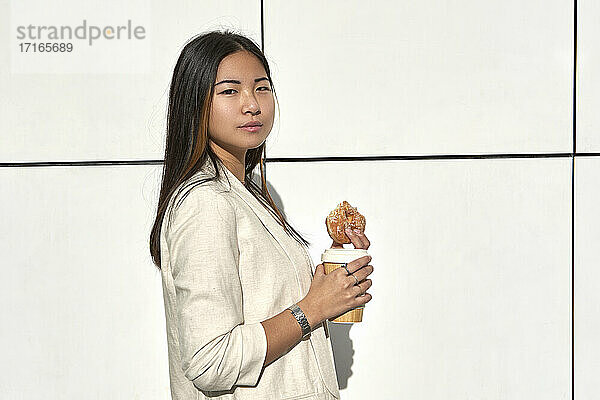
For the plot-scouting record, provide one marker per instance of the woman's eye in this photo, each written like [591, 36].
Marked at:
[230, 90]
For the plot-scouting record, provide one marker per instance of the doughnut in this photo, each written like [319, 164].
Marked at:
[342, 216]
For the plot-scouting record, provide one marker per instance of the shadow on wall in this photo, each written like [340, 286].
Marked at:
[343, 351]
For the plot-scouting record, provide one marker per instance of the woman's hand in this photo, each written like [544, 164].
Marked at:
[333, 294]
[359, 240]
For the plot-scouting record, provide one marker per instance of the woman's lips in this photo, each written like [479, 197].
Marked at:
[251, 128]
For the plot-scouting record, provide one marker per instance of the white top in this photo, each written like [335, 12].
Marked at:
[227, 264]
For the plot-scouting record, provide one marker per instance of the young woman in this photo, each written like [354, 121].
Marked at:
[245, 313]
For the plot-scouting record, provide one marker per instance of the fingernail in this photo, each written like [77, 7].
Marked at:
[357, 231]
[348, 230]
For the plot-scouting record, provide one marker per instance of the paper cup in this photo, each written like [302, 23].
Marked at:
[333, 259]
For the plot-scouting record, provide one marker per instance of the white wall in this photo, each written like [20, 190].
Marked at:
[472, 292]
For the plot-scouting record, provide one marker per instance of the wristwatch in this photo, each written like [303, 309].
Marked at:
[301, 318]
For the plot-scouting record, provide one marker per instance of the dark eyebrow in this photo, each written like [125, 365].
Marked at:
[264, 78]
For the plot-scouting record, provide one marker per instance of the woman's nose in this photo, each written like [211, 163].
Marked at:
[249, 103]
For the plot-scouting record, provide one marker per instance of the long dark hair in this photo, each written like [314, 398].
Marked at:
[187, 148]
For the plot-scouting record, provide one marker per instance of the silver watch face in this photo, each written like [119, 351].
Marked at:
[301, 318]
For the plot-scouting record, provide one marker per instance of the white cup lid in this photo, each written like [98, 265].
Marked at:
[342, 255]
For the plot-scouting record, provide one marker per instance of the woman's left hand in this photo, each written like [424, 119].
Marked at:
[359, 240]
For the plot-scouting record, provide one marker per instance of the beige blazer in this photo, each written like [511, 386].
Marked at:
[227, 264]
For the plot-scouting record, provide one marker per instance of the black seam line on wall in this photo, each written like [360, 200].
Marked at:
[421, 157]
[303, 159]
[574, 114]
[262, 27]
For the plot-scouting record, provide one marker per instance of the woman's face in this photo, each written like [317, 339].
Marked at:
[242, 93]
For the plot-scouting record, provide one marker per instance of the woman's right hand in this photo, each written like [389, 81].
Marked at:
[331, 295]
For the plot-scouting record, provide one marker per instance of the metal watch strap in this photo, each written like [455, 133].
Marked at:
[301, 318]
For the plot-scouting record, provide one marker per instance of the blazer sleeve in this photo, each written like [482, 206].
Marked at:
[218, 350]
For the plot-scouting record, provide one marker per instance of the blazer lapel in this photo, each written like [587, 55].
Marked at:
[268, 221]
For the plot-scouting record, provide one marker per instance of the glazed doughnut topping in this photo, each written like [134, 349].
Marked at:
[344, 215]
